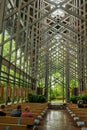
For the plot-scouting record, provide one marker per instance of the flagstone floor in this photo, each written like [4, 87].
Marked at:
[57, 120]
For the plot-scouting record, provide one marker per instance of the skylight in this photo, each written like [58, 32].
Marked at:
[57, 1]
[59, 11]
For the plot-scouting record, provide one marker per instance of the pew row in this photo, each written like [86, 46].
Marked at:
[6, 126]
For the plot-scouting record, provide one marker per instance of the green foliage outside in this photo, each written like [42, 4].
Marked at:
[55, 92]
[56, 89]
[2, 100]
[36, 98]
[73, 83]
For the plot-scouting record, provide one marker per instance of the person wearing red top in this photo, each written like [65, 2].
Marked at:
[27, 112]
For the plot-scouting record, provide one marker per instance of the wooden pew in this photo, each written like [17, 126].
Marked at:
[82, 117]
[6, 126]
[36, 108]
[31, 105]
[17, 120]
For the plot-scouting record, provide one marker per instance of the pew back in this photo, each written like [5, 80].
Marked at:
[4, 126]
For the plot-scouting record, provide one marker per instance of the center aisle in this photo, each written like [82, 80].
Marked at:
[57, 120]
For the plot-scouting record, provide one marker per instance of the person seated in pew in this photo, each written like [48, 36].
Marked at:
[2, 113]
[80, 104]
[27, 113]
[16, 112]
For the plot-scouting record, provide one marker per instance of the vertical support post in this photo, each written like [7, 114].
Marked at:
[81, 63]
[2, 7]
[67, 75]
[63, 80]
[47, 71]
